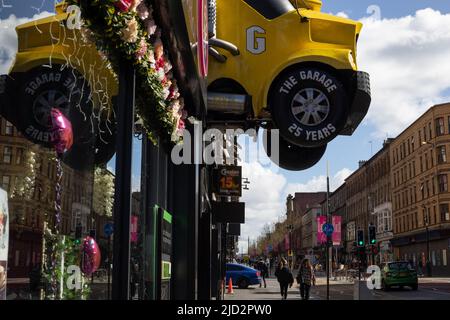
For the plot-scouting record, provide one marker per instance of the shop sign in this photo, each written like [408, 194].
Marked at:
[228, 181]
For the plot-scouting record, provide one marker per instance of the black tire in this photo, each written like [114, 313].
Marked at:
[243, 283]
[292, 157]
[68, 91]
[414, 287]
[309, 106]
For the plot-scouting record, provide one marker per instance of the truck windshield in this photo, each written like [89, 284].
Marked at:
[271, 9]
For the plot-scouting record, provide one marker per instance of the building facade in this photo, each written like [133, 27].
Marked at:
[28, 174]
[303, 202]
[310, 246]
[421, 198]
[338, 207]
[368, 202]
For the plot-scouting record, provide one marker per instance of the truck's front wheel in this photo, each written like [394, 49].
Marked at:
[45, 88]
[308, 105]
[290, 156]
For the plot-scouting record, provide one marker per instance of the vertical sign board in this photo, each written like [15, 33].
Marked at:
[337, 222]
[321, 236]
[163, 252]
[134, 229]
[4, 236]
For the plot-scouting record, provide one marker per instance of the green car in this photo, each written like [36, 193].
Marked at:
[399, 273]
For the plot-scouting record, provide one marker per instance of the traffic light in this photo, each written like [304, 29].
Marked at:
[78, 233]
[372, 235]
[360, 238]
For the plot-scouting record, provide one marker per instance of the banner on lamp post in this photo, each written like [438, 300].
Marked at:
[134, 229]
[4, 236]
[321, 236]
[337, 222]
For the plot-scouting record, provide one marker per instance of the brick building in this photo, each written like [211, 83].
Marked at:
[304, 200]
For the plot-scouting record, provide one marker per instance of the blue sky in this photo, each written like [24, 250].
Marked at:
[401, 87]
[354, 8]
[389, 8]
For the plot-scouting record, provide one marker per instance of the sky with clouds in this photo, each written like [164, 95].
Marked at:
[405, 45]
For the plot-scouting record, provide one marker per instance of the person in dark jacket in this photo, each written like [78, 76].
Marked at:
[284, 277]
[262, 267]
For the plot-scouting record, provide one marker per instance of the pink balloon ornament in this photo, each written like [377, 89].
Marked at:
[62, 134]
[90, 256]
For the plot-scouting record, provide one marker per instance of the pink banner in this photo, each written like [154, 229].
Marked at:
[337, 221]
[134, 229]
[321, 236]
[286, 242]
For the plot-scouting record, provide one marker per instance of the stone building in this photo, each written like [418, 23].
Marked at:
[368, 201]
[421, 198]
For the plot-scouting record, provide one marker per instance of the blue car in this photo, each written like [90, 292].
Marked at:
[242, 276]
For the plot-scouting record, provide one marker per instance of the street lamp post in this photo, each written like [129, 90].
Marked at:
[427, 220]
[427, 214]
[329, 239]
[290, 227]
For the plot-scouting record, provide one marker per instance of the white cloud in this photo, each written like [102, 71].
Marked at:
[319, 183]
[8, 38]
[409, 66]
[342, 14]
[263, 200]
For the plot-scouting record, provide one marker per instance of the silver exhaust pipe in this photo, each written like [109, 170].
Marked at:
[228, 103]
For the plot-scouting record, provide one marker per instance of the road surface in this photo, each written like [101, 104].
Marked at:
[429, 289]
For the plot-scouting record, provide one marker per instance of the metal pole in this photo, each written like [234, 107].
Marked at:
[122, 203]
[109, 267]
[428, 253]
[328, 238]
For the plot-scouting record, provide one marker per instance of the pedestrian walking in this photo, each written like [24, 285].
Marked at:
[262, 267]
[306, 278]
[284, 277]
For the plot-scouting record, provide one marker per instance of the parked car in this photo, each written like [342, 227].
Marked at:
[242, 276]
[399, 273]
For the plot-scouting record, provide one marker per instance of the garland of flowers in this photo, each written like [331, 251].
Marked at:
[54, 272]
[125, 29]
